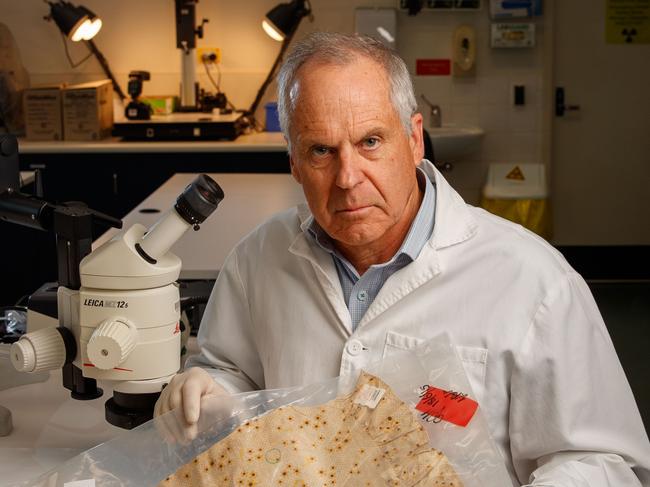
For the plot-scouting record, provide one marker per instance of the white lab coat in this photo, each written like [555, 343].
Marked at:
[532, 341]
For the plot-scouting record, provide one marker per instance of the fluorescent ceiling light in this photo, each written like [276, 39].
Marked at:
[385, 34]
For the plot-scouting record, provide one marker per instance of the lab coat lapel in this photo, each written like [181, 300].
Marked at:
[404, 282]
[325, 271]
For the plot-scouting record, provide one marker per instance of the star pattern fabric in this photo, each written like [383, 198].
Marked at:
[368, 438]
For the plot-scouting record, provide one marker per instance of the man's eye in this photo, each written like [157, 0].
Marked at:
[320, 151]
[371, 142]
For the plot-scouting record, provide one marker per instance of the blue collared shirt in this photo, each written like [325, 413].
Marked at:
[360, 291]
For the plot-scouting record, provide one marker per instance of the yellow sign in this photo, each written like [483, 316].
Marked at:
[627, 22]
[516, 174]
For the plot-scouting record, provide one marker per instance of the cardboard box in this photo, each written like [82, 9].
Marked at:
[43, 112]
[88, 110]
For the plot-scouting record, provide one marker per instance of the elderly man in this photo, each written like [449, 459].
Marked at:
[385, 255]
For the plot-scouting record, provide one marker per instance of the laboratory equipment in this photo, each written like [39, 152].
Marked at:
[118, 306]
[137, 109]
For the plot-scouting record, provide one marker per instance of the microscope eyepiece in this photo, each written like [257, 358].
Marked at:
[199, 199]
[197, 202]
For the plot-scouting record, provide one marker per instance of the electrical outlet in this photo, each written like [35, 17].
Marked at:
[208, 55]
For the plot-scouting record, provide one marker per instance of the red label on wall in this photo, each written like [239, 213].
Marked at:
[437, 405]
[434, 67]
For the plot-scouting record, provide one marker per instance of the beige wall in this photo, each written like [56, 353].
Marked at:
[593, 205]
[140, 35]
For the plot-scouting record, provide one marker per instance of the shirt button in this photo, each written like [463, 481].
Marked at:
[362, 295]
[354, 347]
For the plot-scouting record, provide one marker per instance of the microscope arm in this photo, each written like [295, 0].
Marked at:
[72, 225]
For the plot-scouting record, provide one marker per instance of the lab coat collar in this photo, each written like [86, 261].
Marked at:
[454, 222]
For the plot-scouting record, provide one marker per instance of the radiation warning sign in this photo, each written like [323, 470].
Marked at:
[627, 22]
[516, 174]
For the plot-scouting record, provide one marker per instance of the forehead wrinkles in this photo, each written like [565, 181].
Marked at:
[335, 120]
[330, 103]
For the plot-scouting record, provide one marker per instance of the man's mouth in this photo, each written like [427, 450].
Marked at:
[354, 209]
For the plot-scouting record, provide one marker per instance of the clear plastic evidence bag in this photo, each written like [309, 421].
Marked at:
[410, 420]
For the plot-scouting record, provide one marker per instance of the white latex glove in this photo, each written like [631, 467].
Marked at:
[186, 390]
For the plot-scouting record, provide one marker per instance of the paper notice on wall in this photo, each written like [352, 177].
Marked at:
[627, 22]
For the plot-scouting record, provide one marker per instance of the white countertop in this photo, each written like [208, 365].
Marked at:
[249, 200]
[49, 427]
[255, 142]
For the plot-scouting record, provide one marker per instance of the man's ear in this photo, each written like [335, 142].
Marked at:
[416, 139]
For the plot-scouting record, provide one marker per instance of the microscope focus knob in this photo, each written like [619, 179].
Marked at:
[111, 343]
[40, 350]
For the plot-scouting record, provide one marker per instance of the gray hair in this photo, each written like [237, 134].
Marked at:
[343, 49]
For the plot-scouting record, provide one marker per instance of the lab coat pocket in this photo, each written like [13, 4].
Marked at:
[474, 359]
[398, 342]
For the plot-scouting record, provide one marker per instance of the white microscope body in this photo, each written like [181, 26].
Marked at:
[125, 317]
[129, 310]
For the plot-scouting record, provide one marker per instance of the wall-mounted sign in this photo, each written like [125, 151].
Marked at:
[627, 22]
[433, 67]
[513, 35]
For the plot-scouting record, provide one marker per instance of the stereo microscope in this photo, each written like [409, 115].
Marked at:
[118, 306]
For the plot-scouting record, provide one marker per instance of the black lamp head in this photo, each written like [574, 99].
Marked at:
[76, 23]
[283, 19]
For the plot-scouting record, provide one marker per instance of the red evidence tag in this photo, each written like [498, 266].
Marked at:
[436, 67]
[438, 404]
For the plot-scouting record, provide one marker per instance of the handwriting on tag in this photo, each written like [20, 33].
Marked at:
[437, 405]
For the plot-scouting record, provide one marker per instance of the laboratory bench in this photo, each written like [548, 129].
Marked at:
[114, 176]
[250, 199]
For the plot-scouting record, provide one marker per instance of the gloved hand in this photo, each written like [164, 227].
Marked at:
[187, 391]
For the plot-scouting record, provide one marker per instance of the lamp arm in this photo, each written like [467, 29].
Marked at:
[102, 61]
[271, 75]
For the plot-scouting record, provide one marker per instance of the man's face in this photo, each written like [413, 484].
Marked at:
[352, 155]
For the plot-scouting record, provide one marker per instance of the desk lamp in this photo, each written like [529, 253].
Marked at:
[80, 24]
[281, 23]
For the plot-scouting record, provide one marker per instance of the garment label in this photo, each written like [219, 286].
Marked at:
[80, 483]
[437, 404]
[369, 396]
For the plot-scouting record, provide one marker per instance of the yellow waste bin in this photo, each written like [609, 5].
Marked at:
[518, 192]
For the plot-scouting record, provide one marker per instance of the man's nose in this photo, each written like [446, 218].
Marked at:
[349, 169]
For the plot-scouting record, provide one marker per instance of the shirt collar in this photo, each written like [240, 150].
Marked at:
[417, 236]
